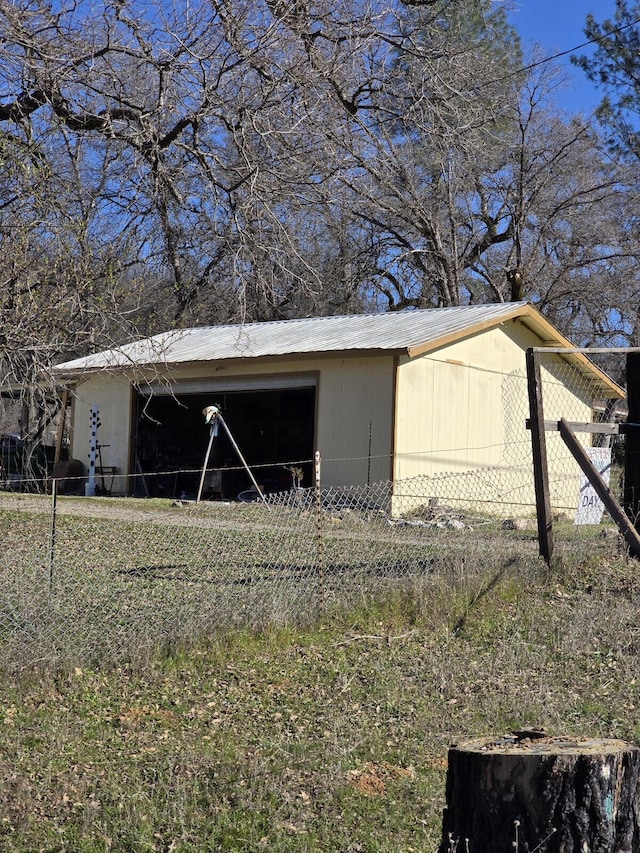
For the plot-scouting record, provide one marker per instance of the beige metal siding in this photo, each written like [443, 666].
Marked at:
[461, 426]
[354, 406]
[112, 395]
[460, 414]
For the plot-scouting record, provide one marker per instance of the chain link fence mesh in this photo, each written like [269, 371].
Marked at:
[104, 578]
[109, 578]
[586, 400]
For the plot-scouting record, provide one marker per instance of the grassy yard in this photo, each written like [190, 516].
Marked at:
[326, 736]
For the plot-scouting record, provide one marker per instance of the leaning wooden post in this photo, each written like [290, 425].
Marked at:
[529, 793]
[539, 452]
[601, 488]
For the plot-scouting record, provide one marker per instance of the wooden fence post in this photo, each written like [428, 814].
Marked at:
[631, 498]
[539, 451]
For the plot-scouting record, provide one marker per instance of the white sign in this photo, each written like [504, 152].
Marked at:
[590, 507]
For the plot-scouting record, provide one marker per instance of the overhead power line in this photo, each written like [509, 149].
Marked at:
[577, 47]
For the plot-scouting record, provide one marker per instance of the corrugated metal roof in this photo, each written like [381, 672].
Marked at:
[401, 330]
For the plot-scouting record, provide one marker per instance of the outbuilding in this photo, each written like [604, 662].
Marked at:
[436, 397]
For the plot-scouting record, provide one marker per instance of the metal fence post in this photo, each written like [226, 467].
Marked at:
[52, 533]
[319, 531]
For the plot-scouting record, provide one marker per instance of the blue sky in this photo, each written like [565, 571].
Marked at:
[558, 25]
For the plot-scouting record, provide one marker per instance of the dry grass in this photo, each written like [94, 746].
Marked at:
[328, 737]
[191, 681]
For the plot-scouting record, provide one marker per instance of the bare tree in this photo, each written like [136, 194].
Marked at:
[569, 203]
[208, 122]
[173, 164]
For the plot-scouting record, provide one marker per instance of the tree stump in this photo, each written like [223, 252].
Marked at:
[528, 792]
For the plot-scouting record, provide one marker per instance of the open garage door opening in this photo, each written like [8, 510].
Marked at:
[274, 429]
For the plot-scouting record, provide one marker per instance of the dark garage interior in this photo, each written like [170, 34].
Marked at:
[274, 430]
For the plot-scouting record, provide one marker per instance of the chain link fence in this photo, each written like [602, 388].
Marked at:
[593, 403]
[103, 578]
[106, 578]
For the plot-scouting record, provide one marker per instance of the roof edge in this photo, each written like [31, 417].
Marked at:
[537, 323]
[519, 309]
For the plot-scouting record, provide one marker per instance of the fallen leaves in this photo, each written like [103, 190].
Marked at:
[134, 716]
[372, 778]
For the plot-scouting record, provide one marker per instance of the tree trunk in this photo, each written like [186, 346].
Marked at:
[527, 792]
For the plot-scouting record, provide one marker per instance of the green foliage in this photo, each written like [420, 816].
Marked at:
[483, 26]
[460, 61]
[615, 68]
